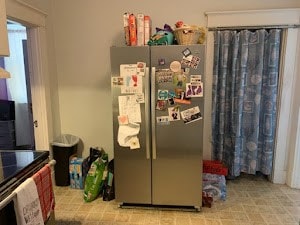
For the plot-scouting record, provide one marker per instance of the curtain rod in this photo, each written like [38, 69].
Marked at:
[254, 27]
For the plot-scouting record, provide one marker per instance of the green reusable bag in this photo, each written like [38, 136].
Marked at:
[95, 178]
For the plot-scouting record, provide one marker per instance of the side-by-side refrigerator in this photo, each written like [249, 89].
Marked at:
[158, 103]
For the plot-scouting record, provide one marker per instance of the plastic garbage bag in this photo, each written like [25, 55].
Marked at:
[66, 140]
[214, 185]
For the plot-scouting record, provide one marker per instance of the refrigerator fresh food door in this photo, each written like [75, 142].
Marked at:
[132, 166]
[177, 146]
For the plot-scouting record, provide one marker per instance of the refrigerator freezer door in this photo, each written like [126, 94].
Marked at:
[132, 167]
[177, 168]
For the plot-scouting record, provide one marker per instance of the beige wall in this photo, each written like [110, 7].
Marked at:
[79, 45]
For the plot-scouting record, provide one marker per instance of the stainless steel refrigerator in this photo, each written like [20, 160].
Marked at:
[158, 103]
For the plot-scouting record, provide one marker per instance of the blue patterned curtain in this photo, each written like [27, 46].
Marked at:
[245, 84]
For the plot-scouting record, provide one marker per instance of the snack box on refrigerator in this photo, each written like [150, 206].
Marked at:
[140, 29]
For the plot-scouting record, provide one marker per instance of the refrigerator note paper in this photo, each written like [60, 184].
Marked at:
[132, 81]
[128, 106]
[127, 135]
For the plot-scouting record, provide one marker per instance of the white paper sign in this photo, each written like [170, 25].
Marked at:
[132, 83]
[130, 107]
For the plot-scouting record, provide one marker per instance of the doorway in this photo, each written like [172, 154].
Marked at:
[35, 22]
[18, 86]
[245, 99]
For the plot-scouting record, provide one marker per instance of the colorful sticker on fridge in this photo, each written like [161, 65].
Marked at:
[181, 96]
[193, 90]
[129, 106]
[132, 82]
[174, 113]
[186, 70]
[195, 62]
[172, 94]
[162, 94]
[163, 120]
[175, 66]
[161, 104]
[183, 101]
[171, 101]
[179, 79]
[186, 52]
[191, 115]
[141, 68]
[161, 62]
[123, 120]
[190, 61]
[117, 81]
[186, 60]
[164, 75]
[179, 93]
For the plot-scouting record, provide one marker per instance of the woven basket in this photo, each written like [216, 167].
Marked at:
[188, 35]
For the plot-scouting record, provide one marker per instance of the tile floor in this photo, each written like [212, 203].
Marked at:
[250, 201]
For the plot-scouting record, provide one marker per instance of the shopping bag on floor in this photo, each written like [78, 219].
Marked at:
[109, 184]
[95, 153]
[95, 178]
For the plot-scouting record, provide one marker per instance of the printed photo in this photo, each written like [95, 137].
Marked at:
[193, 90]
[190, 61]
[179, 79]
[191, 115]
[171, 101]
[117, 81]
[174, 113]
[162, 120]
[161, 105]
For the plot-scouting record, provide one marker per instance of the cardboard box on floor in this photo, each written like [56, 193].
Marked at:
[77, 172]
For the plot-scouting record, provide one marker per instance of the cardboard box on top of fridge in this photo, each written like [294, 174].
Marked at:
[126, 28]
[76, 173]
[147, 25]
[137, 29]
[132, 29]
[140, 29]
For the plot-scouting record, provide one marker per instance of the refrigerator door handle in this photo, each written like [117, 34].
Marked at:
[147, 111]
[153, 113]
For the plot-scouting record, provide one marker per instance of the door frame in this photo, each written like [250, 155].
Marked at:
[286, 170]
[35, 21]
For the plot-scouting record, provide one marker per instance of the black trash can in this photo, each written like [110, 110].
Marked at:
[62, 148]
